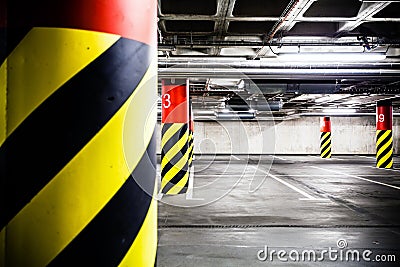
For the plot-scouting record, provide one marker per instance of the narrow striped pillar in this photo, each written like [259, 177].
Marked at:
[325, 145]
[78, 154]
[175, 137]
[384, 139]
[191, 129]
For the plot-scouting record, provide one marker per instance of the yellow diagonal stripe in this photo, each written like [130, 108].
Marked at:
[384, 135]
[175, 169]
[61, 52]
[3, 248]
[3, 101]
[326, 151]
[178, 187]
[325, 144]
[173, 129]
[325, 135]
[384, 158]
[84, 186]
[175, 149]
[386, 145]
[143, 250]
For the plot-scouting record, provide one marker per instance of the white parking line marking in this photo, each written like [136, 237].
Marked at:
[367, 157]
[382, 169]
[189, 192]
[337, 158]
[308, 196]
[233, 156]
[357, 177]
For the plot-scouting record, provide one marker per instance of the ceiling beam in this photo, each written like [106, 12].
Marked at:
[286, 22]
[224, 10]
[367, 10]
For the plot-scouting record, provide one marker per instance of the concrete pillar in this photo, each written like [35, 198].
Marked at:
[78, 154]
[325, 140]
[175, 137]
[384, 139]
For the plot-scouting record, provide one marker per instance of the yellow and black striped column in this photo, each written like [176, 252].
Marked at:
[325, 140]
[384, 138]
[175, 137]
[191, 130]
[78, 154]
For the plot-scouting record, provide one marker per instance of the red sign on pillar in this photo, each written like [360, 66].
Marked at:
[325, 124]
[384, 115]
[175, 106]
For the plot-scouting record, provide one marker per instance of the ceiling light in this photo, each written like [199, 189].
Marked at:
[331, 57]
[235, 115]
[339, 110]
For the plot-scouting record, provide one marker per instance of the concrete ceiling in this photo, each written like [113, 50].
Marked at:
[246, 49]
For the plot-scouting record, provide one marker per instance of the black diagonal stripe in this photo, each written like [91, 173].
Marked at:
[179, 176]
[108, 237]
[59, 128]
[169, 144]
[328, 136]
[165, 128]
[184, 189]
[172, 162]
[323, 139]
[325, 149]
[384, 152]
[327, 154]
[387, 162]
[175, 138]
[380, 133]
[384, 141]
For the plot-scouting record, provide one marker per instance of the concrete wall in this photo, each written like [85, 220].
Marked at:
[299, 136]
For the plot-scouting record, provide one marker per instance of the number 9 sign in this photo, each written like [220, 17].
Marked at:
[381, 118]
[384, 115]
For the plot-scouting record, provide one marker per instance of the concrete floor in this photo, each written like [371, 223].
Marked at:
[240, 204]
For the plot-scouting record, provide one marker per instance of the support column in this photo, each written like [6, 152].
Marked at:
[325, 145]
[384, 139]
[78, 155]
[175, 137]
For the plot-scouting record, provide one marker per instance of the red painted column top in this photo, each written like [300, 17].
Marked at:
[133, 19]
[384, 115]
[325, 124]
[174, 101]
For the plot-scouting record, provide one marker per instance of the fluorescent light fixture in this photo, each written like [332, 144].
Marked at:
[339, 110]
[331, 57]
[236, 115]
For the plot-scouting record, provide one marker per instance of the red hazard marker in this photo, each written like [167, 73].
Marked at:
[325, 124]
[384, 116]
[175, 106]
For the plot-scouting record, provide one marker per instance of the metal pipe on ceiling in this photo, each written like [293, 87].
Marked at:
[215, 62]
[279, 73]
